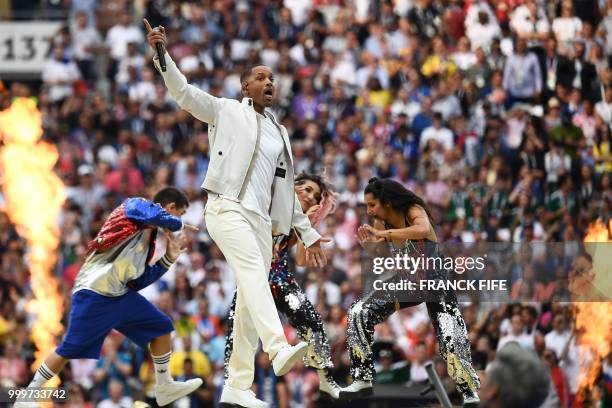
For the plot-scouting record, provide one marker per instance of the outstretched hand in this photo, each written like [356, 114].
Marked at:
[190, 227]
[155, 36]
[368, 235]
[177, 243]
[315, 255]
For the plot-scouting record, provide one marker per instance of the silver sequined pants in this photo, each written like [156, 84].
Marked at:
[376, 306]
[291, 300]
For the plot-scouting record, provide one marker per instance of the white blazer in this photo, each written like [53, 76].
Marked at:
[234, 131]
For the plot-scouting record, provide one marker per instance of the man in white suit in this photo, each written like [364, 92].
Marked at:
[251, 193]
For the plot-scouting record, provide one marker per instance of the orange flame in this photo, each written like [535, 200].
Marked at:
[593, 319]
[34, 197]
[597, 232]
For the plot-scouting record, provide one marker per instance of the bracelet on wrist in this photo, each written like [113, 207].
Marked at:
[167, 261]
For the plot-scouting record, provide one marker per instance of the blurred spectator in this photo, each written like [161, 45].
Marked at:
[522, 75]
[59, 75]
[566, 27]
[577, 72]
[517, 335]
[389, 372]
[83, 372]
[126, 180]
[530, 23]
[118, 38]
[483, 30]
[206, 325]
[558, 379]
[12, 367]
[442, 135]
[116, 398]
[417, 367]
[113, 367]
[78, 398]
[86, 42]
[302, 386]
[267, 386]
[199, 363]
[515, 378]
[603, 108]
[557, 339]
[130, 65]
[88, 193]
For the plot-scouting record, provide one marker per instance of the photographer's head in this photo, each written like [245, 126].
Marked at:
[516, 378]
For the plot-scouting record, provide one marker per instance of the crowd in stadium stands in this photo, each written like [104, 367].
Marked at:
[498, 113]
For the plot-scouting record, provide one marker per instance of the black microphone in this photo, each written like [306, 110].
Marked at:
[161, 53]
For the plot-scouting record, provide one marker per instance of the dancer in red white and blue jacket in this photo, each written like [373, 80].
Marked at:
[105, 294]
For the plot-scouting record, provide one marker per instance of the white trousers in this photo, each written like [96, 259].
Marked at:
[245, 238]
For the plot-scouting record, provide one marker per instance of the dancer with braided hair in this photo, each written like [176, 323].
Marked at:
[404, 223]
[317, 201]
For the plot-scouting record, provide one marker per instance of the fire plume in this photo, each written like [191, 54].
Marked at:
[593, 319]
[34, 196]
[598, 232]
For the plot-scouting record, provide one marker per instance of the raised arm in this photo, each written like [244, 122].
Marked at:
[200, 104]
[143, 211]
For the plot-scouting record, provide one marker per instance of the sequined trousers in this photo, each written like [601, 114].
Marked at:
[376, 306]
[291, 300]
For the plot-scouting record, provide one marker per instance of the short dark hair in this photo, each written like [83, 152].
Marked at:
[248, 71]
[169, 195]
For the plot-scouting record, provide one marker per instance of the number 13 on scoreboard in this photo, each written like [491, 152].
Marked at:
[25, 46]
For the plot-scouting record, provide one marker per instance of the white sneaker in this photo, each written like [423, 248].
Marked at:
[471, 399]
[358, 389]
[169, 392]
[327, 386]
[233, 398]
[287, 357]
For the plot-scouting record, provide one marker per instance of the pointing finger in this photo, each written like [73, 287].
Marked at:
[147, 25]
